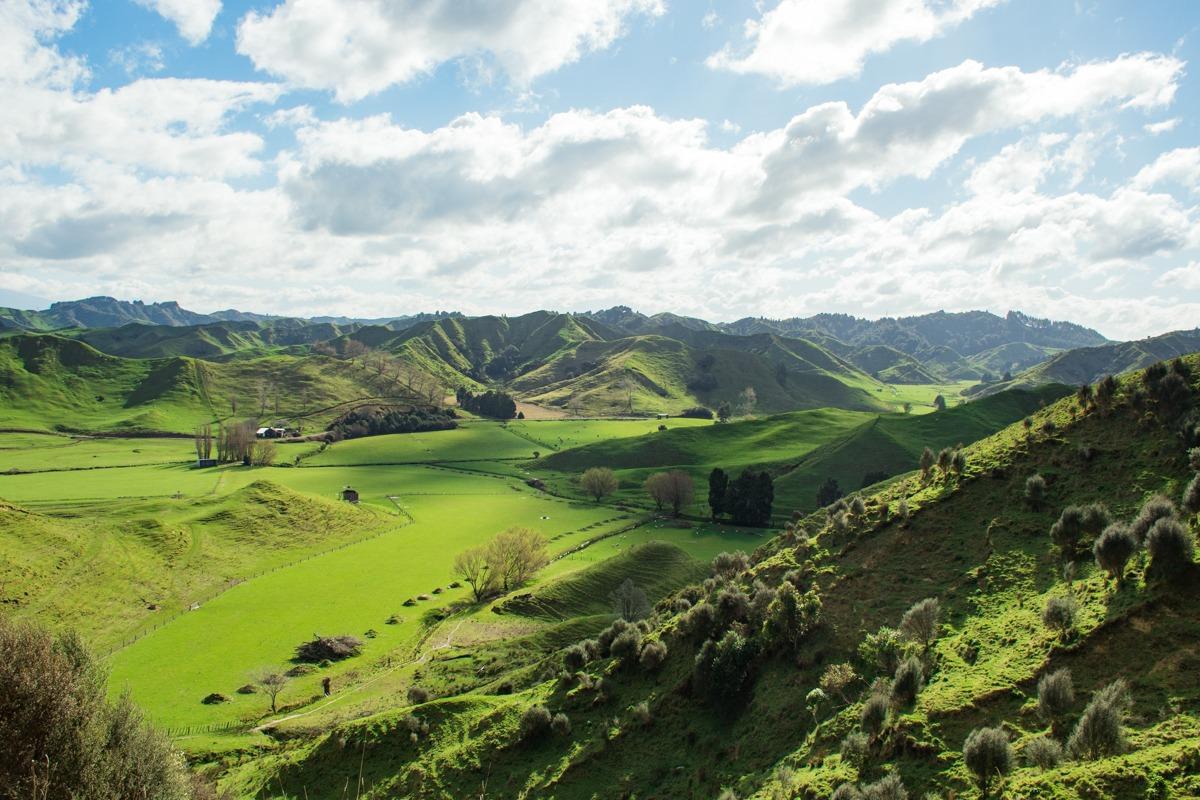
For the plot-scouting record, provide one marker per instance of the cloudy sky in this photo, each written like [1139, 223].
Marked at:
[722, 159]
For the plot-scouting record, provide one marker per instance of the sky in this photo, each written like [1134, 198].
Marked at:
[776, 158]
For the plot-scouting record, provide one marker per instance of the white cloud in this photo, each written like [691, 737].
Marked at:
[710, 20]
[360, 47]
[193, 18]
[1180, 167]
[818, 41]
[1186, 278]
[1166, 126]
[138, 59]
[25, 25]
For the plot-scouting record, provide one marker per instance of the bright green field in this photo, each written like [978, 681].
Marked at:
[347, 591]
[560, 434]
[472, 441]
[26, 451]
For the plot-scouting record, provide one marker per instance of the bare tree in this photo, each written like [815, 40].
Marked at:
[263, 453]
[472, 566]
[514, 555]
[629, 601]
[204, 441]
[674, 489]
[271, 681]
[599, 482]
[747, 400]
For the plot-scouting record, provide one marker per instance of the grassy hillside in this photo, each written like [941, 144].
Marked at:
[1090, 364]
[801, 449]
[52, 382]
[971, 543]
[211, 341]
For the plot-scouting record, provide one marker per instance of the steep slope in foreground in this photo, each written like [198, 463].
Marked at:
[740, 714]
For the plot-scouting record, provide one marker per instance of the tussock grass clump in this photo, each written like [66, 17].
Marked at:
[1059, 615]
[1056, 696]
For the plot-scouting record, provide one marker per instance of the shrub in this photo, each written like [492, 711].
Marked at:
[1191, 496]
[1113, 549]
[626, 647]
[653, 655]
[561, 725]
[733, 605]
[575, 657]
[1059, 615]
[700, 621]
[910, 676]
[535, 722]
[836, 678]
[920, 623]
[1171, 550]
[609, 635]
[791, 615]
[333, 648]
[1056, 695]
[889, 787]
[591, 649]
[696, 412]
[598, 482]
[857, 507]
[61, 736]
[847, 791]
[882, 649]
[642, 715]
[417, 695]
[1194, 459]
[1077, 522]
[1156, 508]
[1035, 492]
[855, 748]
[988, 755]
[874, 714]
[729, 564]
[1098, 732]
[722, 669]
[1043, 752]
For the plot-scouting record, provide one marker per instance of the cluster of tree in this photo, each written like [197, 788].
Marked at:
[390, 373]
[703, 380]
[62, 737]
[673, 489]
[498, 405]
[510, 559]
[747, 499]
[503, 364]
[697, 412]
[379, 420]
[235, 441]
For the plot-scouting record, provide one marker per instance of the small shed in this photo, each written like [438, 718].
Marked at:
[350, 495]
[201, 463]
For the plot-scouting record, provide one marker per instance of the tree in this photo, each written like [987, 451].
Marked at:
[724, 412]
[815, 700]
[722, 669]
[599, 482]
[629, 601]
[920, 623]
[263, 453]
[1099, 730]
[945, 459]
[829, 492]
[1075, 523]
[1056, 696]
[1106, 394]
[1113, 549]
[927, 461]
[674, 488]
[1084, 396]
[959, 464]
[62, 737]
[988, 755]
[791, 615]
[271, 681]
[1059, 615]
[1171, 550]
[204, 441]
[939, 403]
[514, 555]
[718, 486]
[472, 567]
[750, 498]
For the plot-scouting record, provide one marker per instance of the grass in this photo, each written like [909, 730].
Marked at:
[28, 452]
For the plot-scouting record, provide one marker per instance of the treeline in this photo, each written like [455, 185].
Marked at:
[498, 405]
[379, 420]
[747, 499]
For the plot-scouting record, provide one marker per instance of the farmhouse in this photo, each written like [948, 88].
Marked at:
[350, 495]
[270, 433]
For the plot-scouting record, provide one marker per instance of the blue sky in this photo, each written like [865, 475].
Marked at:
[723, 159]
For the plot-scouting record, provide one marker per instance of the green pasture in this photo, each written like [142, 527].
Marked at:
[351, 590]
[31, 452]
[921, 395]
[561, 434]
[471, 441]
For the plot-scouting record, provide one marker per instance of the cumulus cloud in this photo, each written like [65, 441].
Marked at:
[1179, 167]
[1165, 126]
[361, 47]
[193, 18]
[818, 42]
